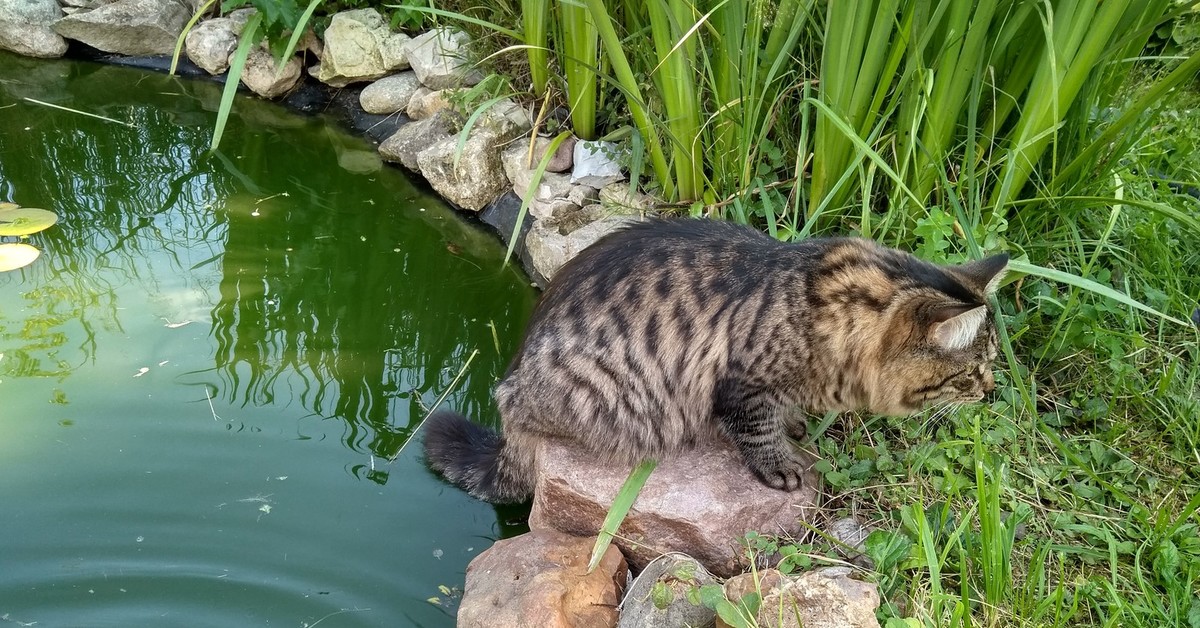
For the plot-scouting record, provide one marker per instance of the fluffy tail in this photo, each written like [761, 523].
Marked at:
[478, 459]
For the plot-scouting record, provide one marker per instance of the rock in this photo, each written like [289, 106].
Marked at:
[359, 46]
[563, 158]
[825, 598]
[471, 178]
[618, 198]
[210, 44]
[259, 73]
[658, 597]
[425, 102]
[550, 195]
[389, 94]
[548, 250]
[700, 501]
[596, 164]
[851, 536]
[414, 137]
[26, 28]
[128, 27]
[540, 579]
[437, 58]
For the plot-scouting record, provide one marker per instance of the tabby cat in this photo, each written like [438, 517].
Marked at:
[673, 332]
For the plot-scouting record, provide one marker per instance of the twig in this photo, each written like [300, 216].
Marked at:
[210, 405]
[437, 403]
[344, 610]
[82, 113]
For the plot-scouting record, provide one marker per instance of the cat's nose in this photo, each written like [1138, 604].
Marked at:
[989, 382]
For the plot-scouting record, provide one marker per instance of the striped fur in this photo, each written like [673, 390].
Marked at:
[673, 332]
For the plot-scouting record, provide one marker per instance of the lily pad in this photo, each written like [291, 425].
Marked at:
[21, 221]
[14, 256]
[8, 206]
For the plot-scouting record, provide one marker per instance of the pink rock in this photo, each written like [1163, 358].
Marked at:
[700, 502]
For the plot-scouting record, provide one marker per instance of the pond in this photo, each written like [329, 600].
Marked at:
[206, 376]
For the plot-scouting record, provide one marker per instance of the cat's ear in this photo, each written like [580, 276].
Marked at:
[986, 274]
[955, 326]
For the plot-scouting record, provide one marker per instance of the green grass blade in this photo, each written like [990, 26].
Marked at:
[234, 76]
[535, 19]
[1091, 286]
[620, 507]
[187, 28]
[297, 33]
[538, 173]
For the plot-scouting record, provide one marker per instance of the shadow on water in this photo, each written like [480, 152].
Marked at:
[328, 282]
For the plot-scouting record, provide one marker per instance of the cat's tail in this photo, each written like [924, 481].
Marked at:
[479, 460]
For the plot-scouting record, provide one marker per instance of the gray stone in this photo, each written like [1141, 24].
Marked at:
[471, 178]
[426, 102]
[618, 198]
[128, 27]
[355, 45]
[851, 536]
[596, 164]
[414, 137]
[658, 597]
[389, 94]
[540, 579]
[26, 28]
[549, 248]
[259, 74]
[550, 195]
[437, 58]
[210, 43]
[701, 501]
[825, 598]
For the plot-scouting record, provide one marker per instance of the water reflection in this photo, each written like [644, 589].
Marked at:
[331, 287]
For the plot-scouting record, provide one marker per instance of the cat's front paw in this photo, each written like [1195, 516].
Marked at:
[788, 476]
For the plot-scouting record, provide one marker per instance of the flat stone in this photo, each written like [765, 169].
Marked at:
[618, 198]
[825, 598]
[414, 137]
[596, 164]
[390, 93]
[701, 502]
[210, 44]
[549, 249]
[128, 27]
[26, 28]
[540, 579]
[437, 58]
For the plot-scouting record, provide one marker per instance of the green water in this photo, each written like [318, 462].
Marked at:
[205, 374]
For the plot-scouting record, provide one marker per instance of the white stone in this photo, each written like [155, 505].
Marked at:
[355, 45]
[549, 249]
[128, 27]
[596, 164]
[259, 74]
[210, 44]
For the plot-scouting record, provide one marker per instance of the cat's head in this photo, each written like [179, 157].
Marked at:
[939, 340]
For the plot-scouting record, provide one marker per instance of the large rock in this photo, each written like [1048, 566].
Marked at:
[389, 94]
[437, 58]
[259, 74]
[701, 502]
[415, 137]
[540, 579]
[128, 27]
[661, 596]
[359, 46]
[825, 598]
[26, 28]
[471, 178]
[550, 246]
[210, 43]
